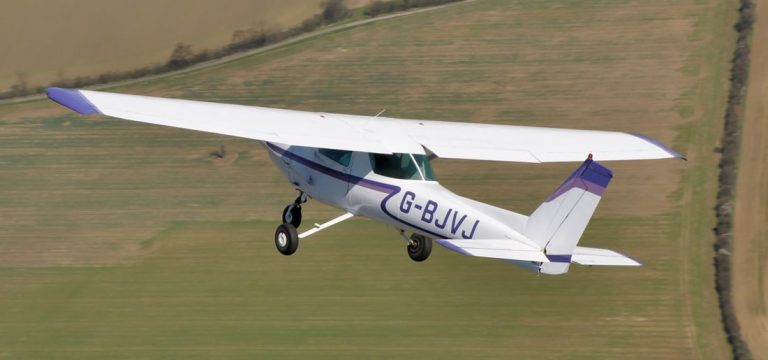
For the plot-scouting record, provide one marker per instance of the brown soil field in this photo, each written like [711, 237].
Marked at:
[73, 38]
[750, 237]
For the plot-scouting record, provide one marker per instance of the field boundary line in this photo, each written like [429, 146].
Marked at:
[237, 56]
[749, 208]
[730, 148]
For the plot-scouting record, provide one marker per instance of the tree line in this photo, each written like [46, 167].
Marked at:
[183, 55]
[730, 146]
[379, 7]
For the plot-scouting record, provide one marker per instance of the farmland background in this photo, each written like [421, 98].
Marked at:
[751, 208]
[50, 40]
[125, 240]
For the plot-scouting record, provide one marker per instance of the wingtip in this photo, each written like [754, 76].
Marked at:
[72, 99]
[655, 142]
[637, 262]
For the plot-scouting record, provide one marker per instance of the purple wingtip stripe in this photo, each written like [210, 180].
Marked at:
[660, 145]
[72, 99]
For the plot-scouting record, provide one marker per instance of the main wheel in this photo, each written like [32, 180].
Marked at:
[286, 239]
[419, 247]
[292, 215]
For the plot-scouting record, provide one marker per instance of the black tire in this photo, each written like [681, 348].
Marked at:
[292, 215]
[420, 249]
[286, 239]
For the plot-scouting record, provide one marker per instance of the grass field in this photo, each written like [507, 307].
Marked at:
[49, 40]
[750, 283]
[125, 240]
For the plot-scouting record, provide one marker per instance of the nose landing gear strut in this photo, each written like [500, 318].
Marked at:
[286, 237]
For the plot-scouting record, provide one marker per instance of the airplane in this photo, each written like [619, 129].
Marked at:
[380, 168]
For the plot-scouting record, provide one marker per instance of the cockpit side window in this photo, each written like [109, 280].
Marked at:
[402, 166]
[340, 156]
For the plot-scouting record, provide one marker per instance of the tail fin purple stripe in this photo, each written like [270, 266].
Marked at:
[590, 176]
[72, 99]
[559, 258]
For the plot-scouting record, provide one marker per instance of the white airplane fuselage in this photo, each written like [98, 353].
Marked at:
[379, 168]
[420, 206]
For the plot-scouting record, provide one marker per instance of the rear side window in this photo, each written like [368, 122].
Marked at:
[340, 156]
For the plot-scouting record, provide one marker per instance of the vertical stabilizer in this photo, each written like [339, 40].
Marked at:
[558, 223]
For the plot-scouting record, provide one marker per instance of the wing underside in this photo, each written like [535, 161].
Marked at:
[369, 134]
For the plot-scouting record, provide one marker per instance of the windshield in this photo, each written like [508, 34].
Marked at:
[403, 166]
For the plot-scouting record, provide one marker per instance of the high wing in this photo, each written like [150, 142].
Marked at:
[369, 134]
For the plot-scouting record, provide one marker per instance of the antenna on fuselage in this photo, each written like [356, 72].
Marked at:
[380, 112]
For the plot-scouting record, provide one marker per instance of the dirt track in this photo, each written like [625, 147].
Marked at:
[751, 218]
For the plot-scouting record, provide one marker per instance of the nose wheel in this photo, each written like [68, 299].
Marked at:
[292, 212]
[286, 239]
[419, 247]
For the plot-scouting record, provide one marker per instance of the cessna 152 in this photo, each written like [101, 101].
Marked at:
[379, 168]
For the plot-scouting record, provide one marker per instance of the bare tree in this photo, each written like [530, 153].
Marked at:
[21, 85]
[334, 10]
[220, 153]
[181, 56]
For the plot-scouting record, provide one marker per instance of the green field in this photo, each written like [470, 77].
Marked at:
[126, 240]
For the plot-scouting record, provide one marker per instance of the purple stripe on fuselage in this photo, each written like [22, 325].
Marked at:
[660, 145]
[391, 190]
[72, 99]
[385, 188]
[590, 176]
[373, 185]
[559, 258]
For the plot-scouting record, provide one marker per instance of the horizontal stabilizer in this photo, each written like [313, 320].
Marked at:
[593, 256]
[494, 248]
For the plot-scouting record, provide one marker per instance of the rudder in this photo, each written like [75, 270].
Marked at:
[558, 223]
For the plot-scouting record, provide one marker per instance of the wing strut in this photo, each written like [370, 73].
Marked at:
[328, 224]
